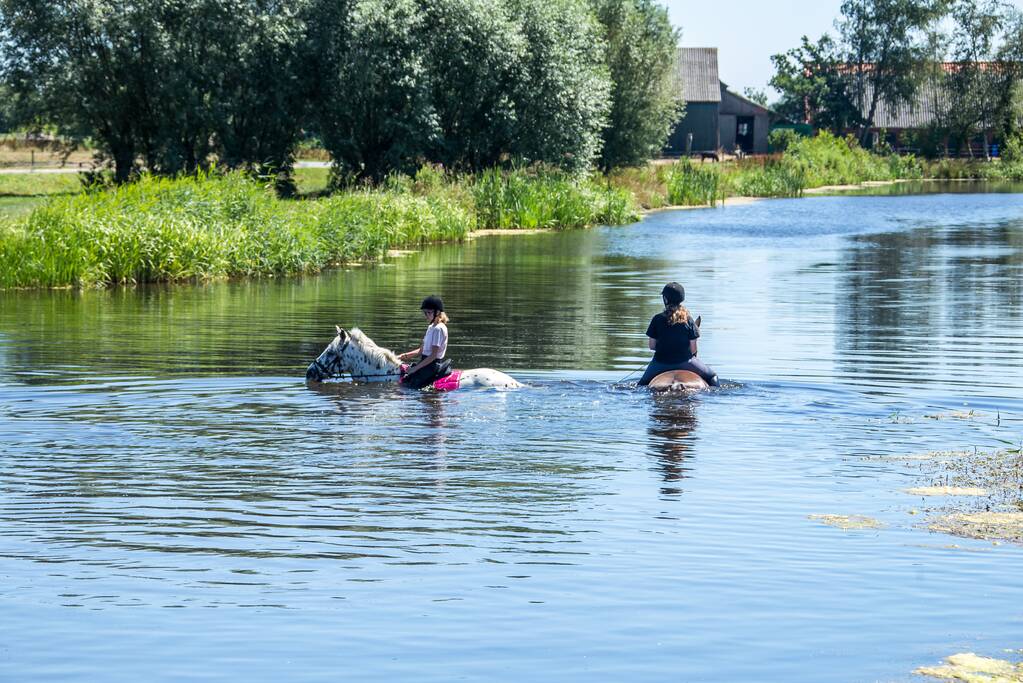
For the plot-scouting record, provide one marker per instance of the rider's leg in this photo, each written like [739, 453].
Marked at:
[703, 370]
[653, 369]
[421, 377]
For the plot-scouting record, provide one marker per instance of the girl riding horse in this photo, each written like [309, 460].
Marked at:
[435, 344]
[672, 337]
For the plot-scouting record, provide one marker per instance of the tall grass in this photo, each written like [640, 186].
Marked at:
[212, 226]
[691, 185]
[545, 200]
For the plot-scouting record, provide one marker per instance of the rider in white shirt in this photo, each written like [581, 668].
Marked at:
[430, 366]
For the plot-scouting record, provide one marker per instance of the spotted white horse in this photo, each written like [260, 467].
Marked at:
[354, 354]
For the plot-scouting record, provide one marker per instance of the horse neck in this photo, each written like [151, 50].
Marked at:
[371, 364]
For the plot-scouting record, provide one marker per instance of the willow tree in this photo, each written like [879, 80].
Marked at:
[159, 83]
[646, 100]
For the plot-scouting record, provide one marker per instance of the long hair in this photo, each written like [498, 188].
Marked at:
[439, 317]
[677, 314]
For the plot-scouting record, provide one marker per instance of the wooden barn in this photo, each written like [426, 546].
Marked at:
[716, 118]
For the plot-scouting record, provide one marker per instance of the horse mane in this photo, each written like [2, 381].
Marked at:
[374, 354]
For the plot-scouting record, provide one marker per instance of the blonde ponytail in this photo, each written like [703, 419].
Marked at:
[676, 314]
[441, 317]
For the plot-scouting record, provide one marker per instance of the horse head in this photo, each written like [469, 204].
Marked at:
[330, 362]
[355, 354]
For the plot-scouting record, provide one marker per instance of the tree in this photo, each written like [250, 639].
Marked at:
[474, 53]
[976, 81]
[156, 81]
[375, 113]
[641, 49]
[563, 90]
[814, 86]
[756, 95]
[263, 93]
[883, 50]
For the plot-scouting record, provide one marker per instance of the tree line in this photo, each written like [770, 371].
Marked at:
[967, 56]
[387, 85]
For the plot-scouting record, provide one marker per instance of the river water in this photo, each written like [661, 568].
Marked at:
[176, 504]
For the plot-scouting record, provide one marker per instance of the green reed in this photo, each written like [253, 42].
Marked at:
[692, 185]
[225, 225]
[546, 199]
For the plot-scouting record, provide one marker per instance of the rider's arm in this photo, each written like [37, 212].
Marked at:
[692, 346]
[434, 355]
[652, 343]
[409, 354]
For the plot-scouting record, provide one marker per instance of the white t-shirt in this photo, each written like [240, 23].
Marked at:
[436, 335]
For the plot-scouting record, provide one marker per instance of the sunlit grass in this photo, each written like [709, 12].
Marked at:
[225, 225]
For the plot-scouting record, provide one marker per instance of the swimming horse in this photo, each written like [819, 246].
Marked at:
[355, 354]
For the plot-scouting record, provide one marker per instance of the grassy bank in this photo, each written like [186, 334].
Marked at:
[228, 225]
[214, 226]
[807, 163]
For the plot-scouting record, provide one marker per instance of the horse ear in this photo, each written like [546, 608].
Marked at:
[340, 332]
[699, 319]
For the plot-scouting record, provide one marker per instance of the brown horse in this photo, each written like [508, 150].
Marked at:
[679, 380]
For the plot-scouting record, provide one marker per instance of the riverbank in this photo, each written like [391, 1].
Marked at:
[213, 226]
[208, 227]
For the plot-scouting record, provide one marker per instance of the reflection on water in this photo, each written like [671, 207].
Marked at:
[671, 427]
[169, 486]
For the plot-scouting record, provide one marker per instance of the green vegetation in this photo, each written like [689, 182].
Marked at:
[964, 58]
[387, 86]
[692, 185]
[222, 225]
[645, 100]
[211, 226]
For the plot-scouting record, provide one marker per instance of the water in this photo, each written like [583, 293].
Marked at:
[176, 504]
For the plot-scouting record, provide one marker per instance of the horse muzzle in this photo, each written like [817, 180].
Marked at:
[313, 374]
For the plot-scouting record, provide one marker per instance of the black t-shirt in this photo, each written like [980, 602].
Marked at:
[672, 340]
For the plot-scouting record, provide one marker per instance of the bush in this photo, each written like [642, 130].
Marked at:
[780, 139]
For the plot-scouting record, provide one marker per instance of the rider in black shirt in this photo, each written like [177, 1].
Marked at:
[673, 335]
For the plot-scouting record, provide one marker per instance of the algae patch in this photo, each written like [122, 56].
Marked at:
[971, 668]
[848, 521]
[947, 491]
[987, 526]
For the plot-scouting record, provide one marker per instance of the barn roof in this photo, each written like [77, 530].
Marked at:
[923, 111]
[696, 72]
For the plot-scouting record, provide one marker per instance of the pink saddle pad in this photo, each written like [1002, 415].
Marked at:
[449, 383]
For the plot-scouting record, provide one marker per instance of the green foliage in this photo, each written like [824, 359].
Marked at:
[563, 90]
[211, 226]
[463, 83]
[546, 199]
[883, 42]
[166, 83]
[780, 139]
[374, 114]
[645, 101]
[767, 178]
[757, 95]
[474, 50]
[692, 185]
[1012, 150]
[814, 86]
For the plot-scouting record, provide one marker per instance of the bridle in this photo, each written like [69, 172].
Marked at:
[333, 369]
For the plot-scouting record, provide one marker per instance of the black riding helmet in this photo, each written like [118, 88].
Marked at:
[432, 303]
[673, 293]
